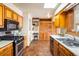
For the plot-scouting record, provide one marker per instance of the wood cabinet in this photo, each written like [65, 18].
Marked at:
[57, 21]
[64, 52]
[20, 20]
[8, 13]
[62, 20]
[1, 15]
[44, 29]
[56, 48]
[7, 50]
[15, 16]
[60, 50]
[70, 20]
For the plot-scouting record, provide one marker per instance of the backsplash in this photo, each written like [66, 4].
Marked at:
[73, 33]
[2, 33]
[15, 33]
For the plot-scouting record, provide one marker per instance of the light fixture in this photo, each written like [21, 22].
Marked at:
[50, 5]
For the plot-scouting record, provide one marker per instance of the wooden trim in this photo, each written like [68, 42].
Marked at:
[35, 18]
[49, 19]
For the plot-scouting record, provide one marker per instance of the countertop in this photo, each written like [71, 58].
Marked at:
[74, 50]
[4, 43]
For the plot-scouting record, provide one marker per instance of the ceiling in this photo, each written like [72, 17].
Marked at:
[35, 9]
[30, 5]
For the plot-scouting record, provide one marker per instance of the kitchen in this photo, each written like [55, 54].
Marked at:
[29, 29]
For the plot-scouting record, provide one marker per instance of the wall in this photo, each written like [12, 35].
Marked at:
[27, 27]
[76, 16]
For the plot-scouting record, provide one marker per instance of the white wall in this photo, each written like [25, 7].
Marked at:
[27, 29]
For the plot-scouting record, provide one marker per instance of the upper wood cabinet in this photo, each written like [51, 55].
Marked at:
[70, 20]
[15, 16]
[56, 21]
[8, 13]
[1, 15]
[20, 20]
[62, 20]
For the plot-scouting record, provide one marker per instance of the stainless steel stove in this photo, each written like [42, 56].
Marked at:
[18, 44]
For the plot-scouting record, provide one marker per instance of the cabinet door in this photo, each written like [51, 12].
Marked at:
[15, 17]
[61, 51]
[7, 50]
[44, 29]
[41, 35]
[64, 51]
[56, 21]
[8, 13]
[67, 52]
[70, 20]
[62, 20]
[55, 52]
[20, 20]
[1, 16]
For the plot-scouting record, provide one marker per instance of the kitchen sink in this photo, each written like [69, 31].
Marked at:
[69, 42]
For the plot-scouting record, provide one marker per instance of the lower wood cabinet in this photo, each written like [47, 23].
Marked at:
[55, 50]
[64, 52]
[60, 50]
[7, 50]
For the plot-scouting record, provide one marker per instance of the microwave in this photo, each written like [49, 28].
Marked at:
[10, 25]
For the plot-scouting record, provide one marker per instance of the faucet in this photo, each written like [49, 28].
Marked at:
[74, 38]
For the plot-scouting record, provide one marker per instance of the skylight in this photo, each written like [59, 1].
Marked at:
[50, 5]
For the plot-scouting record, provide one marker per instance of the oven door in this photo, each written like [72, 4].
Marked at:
[19, 48]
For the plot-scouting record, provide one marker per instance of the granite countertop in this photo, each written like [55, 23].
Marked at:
[74, 50]
[5, 42]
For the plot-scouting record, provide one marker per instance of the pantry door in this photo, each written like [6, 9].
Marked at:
[45, 29]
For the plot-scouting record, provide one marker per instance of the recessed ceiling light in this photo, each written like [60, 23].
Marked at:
[50, 5]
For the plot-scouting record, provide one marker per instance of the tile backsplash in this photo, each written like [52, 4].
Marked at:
[2, 33]
[15, 33]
